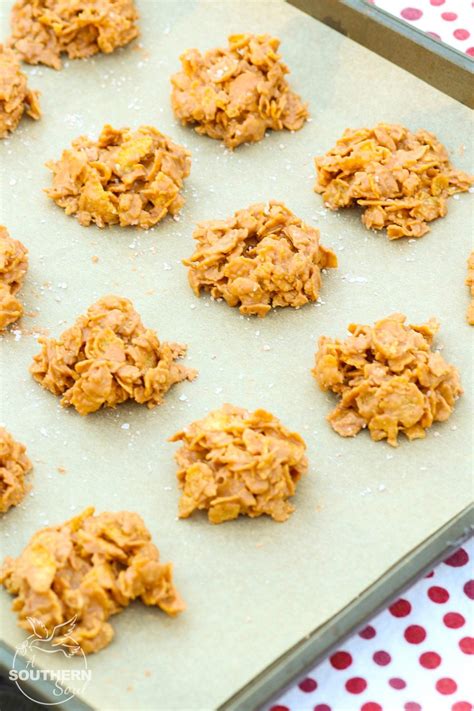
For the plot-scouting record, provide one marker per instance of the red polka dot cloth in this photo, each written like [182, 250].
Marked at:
[451, 21]
[414, 656]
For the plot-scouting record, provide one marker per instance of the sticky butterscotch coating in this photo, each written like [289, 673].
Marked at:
[108, 357]
[14, 466]
[261, 257]
[234, 462]
[15, 96]
[401, 179]
[388, 378]
[129, 178]
[235, 94]
[85, 570]
[13, 268]
[44, 29]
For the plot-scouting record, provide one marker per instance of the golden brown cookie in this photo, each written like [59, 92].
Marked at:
[401, 179]
[260, 258]
[15, 97]
[470, 284]
[43, 29]
[108, 357]
[236, 93]
[126, 177]
[14, 466]
[13, 267]
[388, 378]
[235, 462]
[87, 569]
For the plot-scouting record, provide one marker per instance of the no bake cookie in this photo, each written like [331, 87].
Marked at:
[108, 357]
[235, 94]
[15, 96]
[14, 466]
[260, 258]
[13, 267]
[43, 29]
[130, 178]
[401, 179]
[388, 378]
[87, 569]
[235, 462]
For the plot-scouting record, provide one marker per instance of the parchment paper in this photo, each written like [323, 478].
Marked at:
[253, 587]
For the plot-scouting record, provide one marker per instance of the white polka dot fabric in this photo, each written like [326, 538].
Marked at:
[414, 656]
[451, 21]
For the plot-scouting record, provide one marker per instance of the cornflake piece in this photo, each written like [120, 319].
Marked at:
[15, 97]
[43, 29]
[388, 378]
[88, 569]
[109, 357]
[236, 94]
[402, 179]
[14, 466]
[13, 267]
[126, 177]
[470, 284]
[234, 462]
[260, 258]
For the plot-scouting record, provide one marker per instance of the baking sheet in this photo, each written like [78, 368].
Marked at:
[254, 588]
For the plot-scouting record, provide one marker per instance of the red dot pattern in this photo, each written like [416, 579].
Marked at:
[414, 656]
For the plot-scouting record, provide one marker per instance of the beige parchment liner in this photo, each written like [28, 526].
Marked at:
[253, 587]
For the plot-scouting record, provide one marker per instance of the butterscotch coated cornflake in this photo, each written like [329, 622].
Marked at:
[388, 378]
[14, 466]
[260, 258]
[15, 97]
[470, 284]
[401, 179]
[126, 177]
[13, 267]
[108, 357]
[235, 462]
[43, 29]
[86, 570]
[236, 93]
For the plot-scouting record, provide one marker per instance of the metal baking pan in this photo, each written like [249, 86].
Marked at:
[265, 600]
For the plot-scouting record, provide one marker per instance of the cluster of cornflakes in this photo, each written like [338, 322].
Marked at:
[260, 258]
[15, 97]
[13, 267]
[86, 570]
[126, 177]
[235, 462]
[108, 357]
[402, 179]
[388, 378]
[235, 94]
[43, 29]
[14, 466]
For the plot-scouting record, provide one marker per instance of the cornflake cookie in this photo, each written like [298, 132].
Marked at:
[108, 357]
[15, 97]
[235, 462]
[470, 284]
[388, 378]
[126, 177]
[13, 267]
[43, 29]
[401, 179]
[260, 258]
[14, 466]
[86, 570]
[236, 94]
